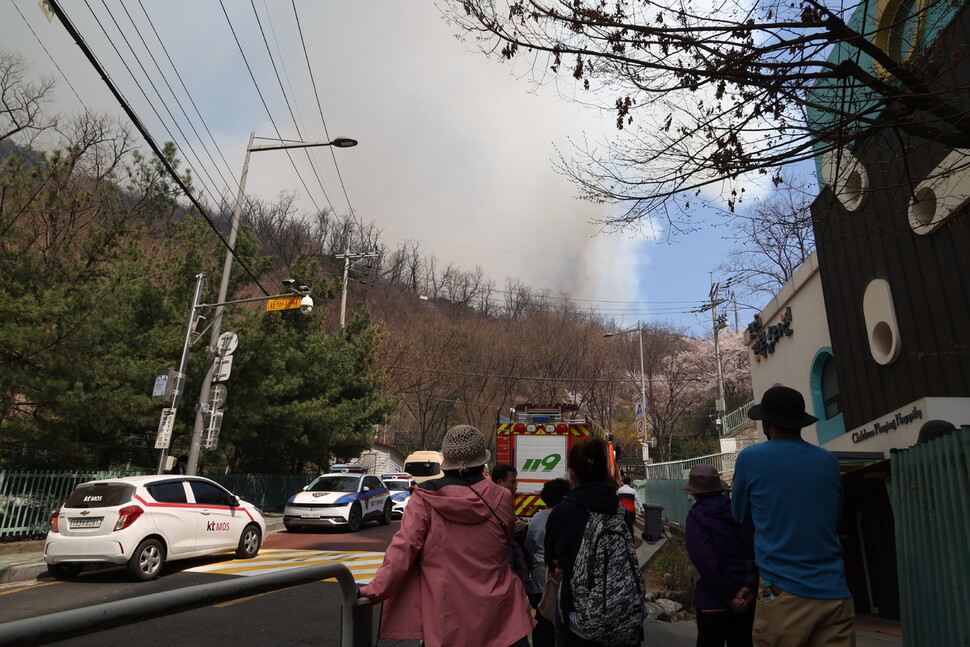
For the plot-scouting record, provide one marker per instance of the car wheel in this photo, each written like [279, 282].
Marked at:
[388, 513]
[64, 570]
[147, 560]
[249, 542]
[353, 523]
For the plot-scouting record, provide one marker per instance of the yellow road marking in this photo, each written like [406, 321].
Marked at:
[29, 586]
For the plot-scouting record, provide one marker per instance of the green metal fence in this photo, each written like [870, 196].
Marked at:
[265, 491]
[931, 507]
[724, 463]
[28, 498]
[736, 418]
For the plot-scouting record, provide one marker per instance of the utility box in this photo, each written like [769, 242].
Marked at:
[652, 528]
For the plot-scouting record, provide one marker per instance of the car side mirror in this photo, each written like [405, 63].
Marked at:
[233, 502]
[366, 488]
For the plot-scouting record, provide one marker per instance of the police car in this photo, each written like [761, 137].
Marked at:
[345, 499]
[398, 484]
[145, 521]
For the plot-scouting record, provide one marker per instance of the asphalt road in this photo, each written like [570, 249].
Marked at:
[308, 614]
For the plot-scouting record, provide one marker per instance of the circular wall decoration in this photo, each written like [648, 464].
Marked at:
[847, 177]
[882, 328]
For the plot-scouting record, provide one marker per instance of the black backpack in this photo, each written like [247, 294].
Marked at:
[607, 587]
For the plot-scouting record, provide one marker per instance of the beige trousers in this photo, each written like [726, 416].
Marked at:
[790, 620]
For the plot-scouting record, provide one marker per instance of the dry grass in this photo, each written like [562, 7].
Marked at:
[671, 569]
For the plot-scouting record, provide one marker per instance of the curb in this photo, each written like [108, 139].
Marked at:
[38, 569]
[22, 572]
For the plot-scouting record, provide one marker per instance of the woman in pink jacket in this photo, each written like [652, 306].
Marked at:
[446, 576]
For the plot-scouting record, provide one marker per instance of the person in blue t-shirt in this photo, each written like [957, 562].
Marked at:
[791, 492]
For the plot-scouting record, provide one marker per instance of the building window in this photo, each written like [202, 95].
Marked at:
[824, 386]
[899, 27]
[830, 389]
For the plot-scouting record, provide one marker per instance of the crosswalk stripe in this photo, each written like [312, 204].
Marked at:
[363, 565]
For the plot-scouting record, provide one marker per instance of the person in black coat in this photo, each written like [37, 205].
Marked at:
[589, 473]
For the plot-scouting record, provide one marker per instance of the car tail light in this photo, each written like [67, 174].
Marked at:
[55, 516]
[127, 516]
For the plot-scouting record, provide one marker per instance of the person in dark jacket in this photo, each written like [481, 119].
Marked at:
[181, 465]
[589, 473]
[722, 551]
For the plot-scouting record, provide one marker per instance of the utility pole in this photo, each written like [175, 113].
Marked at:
[348, 259]
[718, 323]
[168, 416]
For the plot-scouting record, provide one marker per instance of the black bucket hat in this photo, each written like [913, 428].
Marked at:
[783, 407]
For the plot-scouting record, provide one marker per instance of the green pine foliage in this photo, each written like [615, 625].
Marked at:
[97, 264]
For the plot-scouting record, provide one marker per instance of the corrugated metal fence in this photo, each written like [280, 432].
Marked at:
[931, 505]
[28, 498]
[670, 494]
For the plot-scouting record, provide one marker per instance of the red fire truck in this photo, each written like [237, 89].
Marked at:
[535, 440]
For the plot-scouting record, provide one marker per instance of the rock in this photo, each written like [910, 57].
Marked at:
[654, 610]
[669, 606]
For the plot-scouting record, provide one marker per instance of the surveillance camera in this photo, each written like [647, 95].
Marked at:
[289, 283]
[306, 305]
[304, 288]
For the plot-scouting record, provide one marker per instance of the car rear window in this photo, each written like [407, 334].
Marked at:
[334, 483]
[100, 495]
[397, 485]
[424, 468]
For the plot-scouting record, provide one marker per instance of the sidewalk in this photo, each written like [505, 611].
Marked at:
[870, 631]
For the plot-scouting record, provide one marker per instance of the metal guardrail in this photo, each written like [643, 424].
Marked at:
[736, 418]
[681, 469]
[356, 614]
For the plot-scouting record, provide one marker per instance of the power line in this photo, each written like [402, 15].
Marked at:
[265, 105]
[136, 121]
[316, 95]
[44, 47]
[188, 94]
[175, 97]
[153, 86]
[289, 107]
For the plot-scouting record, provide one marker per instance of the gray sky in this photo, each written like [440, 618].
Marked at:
[455, 150]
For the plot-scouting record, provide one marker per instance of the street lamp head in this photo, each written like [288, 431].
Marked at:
[344, 142]
[609, 334]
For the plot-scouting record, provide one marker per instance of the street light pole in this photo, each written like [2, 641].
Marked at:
[196, 447]
[643, 389]
[643, 398]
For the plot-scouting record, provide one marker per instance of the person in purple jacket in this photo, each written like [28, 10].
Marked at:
[722, 551]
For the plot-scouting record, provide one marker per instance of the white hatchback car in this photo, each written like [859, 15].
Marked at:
[144, 521]
[346, 499]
